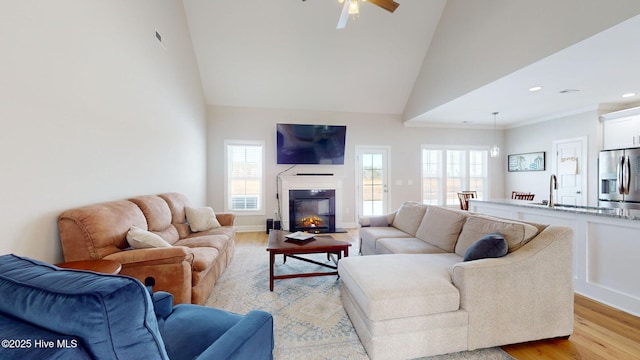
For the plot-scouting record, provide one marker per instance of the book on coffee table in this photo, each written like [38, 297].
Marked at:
[300, 235]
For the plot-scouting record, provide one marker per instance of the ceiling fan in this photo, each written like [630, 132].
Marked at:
[351, 7]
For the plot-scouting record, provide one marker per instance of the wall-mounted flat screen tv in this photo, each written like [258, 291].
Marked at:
[311, 144]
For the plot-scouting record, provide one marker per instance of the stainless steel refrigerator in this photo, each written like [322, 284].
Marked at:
[619, 178]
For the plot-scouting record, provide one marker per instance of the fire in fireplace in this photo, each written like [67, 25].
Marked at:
[312, 210]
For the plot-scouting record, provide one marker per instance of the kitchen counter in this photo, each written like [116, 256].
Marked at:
[606, 243]
[629, 214]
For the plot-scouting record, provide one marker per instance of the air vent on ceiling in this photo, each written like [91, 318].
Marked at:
[161, 40]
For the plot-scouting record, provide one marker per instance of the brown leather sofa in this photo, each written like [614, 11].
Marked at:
[188, 269]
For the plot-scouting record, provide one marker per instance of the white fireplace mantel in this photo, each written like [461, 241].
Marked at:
[309, 182]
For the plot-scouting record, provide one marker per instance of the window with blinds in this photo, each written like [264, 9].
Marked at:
[244, 176]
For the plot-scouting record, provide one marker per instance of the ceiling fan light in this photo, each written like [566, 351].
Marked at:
[354, 9]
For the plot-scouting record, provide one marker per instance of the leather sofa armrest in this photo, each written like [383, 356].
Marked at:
[171, 269]
[251, 338]
[155, 256]
[225, 219]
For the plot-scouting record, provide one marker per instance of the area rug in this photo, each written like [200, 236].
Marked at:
[309, 320]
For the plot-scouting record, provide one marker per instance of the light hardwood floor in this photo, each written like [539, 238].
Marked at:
[600, 332]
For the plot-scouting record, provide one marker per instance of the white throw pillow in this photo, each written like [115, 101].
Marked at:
[142, 239]
[201, 219]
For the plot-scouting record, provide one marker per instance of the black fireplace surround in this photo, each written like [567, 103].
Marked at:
[312, 211]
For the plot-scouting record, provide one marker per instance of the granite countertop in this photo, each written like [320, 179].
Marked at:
[630, 214]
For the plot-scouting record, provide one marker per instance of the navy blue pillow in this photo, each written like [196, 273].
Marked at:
[490, 246]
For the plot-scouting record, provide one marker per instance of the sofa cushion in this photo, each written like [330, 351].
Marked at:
[204, 258]
[226, 231]
[199, 332]
[158, 215]
[112, 315]
[177, 202]
[441, 227]
[143, 239]
[490, 246]
[370, 235]
[401, 285]
[409, 217]
[219, 241]
[516, 233]
[201, 219]
[405, 246]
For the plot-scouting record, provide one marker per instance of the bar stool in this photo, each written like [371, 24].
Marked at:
[464, 197]
[517, 195]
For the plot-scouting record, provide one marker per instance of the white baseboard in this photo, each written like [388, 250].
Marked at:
[251, 228]
[261, 228]
[350, 225]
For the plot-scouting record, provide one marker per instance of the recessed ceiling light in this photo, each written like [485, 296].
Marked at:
[535, 88]
[566, 91]
[627, 95]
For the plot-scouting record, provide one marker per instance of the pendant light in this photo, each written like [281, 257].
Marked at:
[495, 149]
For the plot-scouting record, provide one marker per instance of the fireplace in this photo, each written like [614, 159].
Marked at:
[312, 210]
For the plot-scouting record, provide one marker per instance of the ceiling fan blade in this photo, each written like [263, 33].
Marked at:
[344, 16]
[388, 5]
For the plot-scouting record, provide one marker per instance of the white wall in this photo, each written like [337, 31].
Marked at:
[540, 137]
[362, 129]
[93, 109]
[478, 42]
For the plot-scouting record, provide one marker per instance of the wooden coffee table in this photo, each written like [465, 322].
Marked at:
[320, 244]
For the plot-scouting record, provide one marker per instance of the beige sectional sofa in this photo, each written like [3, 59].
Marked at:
[418, 297]
[182, 261]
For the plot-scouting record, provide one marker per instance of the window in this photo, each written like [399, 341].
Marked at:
[431, 176]
[445, 172]
[244, 177]
[372, 185]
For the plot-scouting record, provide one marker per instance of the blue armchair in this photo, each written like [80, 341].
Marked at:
[51, 313]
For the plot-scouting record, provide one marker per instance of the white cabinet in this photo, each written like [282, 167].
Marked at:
[621, 133]
[621, 129]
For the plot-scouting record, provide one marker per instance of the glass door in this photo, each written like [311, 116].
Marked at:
[372, 192]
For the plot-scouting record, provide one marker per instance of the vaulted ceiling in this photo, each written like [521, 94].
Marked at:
[435, 62]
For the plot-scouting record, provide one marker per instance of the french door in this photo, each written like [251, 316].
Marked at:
[372, 172]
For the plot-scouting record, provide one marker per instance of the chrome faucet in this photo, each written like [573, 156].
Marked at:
[553, 185]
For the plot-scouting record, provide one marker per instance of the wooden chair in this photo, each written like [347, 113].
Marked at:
[522, 195]
[464, 199]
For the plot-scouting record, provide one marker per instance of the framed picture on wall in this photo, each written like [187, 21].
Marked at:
[526, 162]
